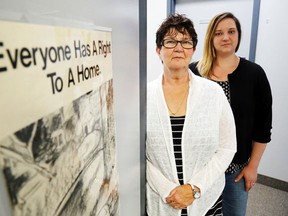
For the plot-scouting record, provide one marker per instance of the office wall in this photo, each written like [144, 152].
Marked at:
[156, 13]
[123, 18]
[198, 12]
[271, 54]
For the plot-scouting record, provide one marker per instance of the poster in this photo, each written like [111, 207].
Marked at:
[57, 129]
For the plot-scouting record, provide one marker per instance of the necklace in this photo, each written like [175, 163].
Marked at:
[180, 105]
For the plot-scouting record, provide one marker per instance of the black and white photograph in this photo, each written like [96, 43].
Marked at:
[64, 163]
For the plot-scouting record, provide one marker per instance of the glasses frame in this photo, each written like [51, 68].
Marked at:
[178, 41]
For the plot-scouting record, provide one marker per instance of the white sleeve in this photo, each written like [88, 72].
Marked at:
[216, 167]
[158, 182]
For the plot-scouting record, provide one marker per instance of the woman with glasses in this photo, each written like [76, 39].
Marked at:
[190, 130]
[248, 91]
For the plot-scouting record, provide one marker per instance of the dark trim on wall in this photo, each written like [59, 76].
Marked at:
[254, 29]
[272, 182]
[171, 7]
[142, 93]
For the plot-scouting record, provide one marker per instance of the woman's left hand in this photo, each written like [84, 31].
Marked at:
[180, 197]
[249, 174]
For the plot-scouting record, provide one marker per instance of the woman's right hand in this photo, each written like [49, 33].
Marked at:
[180, 197]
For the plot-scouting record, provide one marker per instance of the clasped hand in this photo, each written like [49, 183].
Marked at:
[180, 197]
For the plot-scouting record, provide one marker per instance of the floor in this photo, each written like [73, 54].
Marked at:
[267, 201]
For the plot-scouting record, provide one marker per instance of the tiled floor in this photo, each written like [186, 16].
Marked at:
[267, 201]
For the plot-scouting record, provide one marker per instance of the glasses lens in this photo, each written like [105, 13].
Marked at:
[187, 44]
[169, 43]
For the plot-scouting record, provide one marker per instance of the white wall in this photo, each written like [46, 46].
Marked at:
[156, 13]
[123, 18]
[193, 9]
[271, 53]
[201, 12]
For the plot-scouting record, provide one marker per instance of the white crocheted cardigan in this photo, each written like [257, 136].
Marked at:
[208, 146]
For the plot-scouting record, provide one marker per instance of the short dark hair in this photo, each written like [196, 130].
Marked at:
[176, 22]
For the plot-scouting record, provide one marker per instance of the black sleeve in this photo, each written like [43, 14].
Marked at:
[263, 114]
[193, 68]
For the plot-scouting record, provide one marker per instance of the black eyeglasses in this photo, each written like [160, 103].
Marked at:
[171, 43]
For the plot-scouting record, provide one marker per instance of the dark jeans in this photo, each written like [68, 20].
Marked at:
[234, 196]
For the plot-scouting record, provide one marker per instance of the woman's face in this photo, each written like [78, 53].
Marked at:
[225, 37]
[178, 57]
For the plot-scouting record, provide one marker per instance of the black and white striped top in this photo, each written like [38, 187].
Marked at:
[177, 124]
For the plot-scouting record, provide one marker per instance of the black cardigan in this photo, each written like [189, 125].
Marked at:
[251, 103]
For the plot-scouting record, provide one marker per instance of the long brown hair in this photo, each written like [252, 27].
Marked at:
[205, 65]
